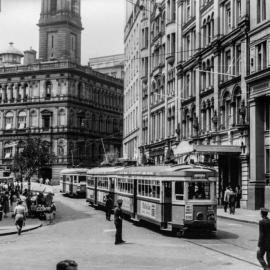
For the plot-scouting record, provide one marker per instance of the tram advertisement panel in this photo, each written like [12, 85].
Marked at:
[91, 193]
[189, 212]
[127, 203]
[148, 209]
[102, 196]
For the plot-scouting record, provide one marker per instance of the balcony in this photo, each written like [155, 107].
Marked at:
[170, 58]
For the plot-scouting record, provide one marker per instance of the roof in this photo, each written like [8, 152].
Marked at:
[176, 170]
[74, 170]
[11, 50]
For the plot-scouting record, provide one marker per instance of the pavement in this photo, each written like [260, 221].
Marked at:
[242, 215]
[8, 227]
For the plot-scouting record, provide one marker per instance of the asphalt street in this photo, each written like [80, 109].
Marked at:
[81, 233]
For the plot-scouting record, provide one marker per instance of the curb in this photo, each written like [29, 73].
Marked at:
[30, 228]
[239, 220]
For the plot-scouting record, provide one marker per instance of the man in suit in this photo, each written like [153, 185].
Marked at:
[118, 217]
[264, 240]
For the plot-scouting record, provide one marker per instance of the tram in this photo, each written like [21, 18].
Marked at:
[100, 183]
[73, 181]
[176, 198]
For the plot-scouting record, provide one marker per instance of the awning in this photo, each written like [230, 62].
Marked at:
[217, 148]
[185, 148]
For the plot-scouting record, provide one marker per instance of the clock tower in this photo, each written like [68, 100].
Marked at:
[60, 30]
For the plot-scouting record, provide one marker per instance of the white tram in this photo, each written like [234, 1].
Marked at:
[175, 197]
[73, 181]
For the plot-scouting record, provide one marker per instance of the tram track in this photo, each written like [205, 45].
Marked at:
[223, 252]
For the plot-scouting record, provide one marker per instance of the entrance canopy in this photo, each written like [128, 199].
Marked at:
[185, 148]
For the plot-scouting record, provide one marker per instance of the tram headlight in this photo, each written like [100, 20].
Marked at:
[199, 216]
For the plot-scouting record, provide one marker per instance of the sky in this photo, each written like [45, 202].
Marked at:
[103, 22]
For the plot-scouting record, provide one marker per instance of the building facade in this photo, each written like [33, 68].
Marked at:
[205, 89]
[77, 110]
[132, 83]
[112, 65]
[259, 104]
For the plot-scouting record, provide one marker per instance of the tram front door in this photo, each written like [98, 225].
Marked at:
[167, 201]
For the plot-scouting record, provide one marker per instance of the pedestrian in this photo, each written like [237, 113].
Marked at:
[264, 239]
[47, 181]
[118, 222]
[108, 206]
[6, 203]
[238, 192]
[226, 198]
[19, 216]
[13, 202]
[232, 201]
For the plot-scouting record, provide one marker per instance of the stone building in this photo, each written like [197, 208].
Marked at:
[211, 71]
[132, 83]
[258, 81]
[77, 110]
[112, 65]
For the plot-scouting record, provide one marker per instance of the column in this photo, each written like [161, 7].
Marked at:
[15, 92]
[245, 176]
[9, 92]
[257, 182]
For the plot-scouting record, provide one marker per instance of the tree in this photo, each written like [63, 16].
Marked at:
[34, 155]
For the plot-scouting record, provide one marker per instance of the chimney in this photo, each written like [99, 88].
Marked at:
[30, 57]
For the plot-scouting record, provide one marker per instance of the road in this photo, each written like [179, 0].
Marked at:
[82, 234]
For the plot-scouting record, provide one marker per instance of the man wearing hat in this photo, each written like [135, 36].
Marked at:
[264, 239]
[118, 216]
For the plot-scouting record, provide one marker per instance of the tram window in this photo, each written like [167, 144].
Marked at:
[75, 179]
[82, 178]
[199, 191]
[64, 178]
[91, 182]
[149, 188]
[179, 190]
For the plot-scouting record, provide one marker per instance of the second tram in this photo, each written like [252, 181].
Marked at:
[73, 181]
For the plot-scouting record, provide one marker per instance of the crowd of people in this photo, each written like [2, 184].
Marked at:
[232, 197]
[19, 205]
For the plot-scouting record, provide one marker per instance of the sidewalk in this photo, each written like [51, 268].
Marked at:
[7, 226]
[243, 215]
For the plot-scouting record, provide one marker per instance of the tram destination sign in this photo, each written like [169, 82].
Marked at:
[199, 176]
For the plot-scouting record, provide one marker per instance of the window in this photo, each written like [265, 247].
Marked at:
[91, 181]
[199, 191]
[238, 60]
[46, 122]
[227, 64]
[261, 56]
[179, 190]
[261, 10]
[103, 183]
[125, 185]
[62, 117]
[33, 119]
[22, 120]
[228, 18]
[267, 160]
[149, 188]
[188, 10]
[8, 152]
[9, 121]
[53, 6]
[48, 90]
[267, 114]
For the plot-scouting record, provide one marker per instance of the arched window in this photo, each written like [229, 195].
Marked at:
[203, 116]
[100, 124]
[204, 33]
[209, 31]
[226, 110]
[62, 117]
[33, 119]
[22, 120]
[48, 90]
[9, 120]
[203, 75]
[236, 105]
